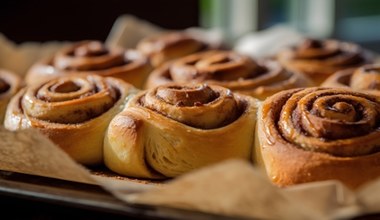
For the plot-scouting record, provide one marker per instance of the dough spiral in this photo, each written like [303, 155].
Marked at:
[318, 134]
[172, 129]
[319, 59]
[171, 45]
[93, 57]
[365, 78]
[73, 111]
[229, 69]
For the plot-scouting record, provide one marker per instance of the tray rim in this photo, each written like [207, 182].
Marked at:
[87, 197]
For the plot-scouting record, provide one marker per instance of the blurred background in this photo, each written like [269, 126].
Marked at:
[350, 20]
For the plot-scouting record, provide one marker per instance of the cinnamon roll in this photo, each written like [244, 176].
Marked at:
[10, 83]
[365, 78]
[93, 57]
[170, 130]
[319, 59]
[229, 69]
[167, 46]
[317, 134]
[73, 111]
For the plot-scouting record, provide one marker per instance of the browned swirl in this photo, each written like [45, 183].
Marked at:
[72, 111]
[231, 70]
[171, 45]
[321, 58]
[70, 99]
[200, 106]
[365, 78]
[93, 57]
[172, 129]
[318, 134]
[89, 55]
[333, 121]
[332, 52]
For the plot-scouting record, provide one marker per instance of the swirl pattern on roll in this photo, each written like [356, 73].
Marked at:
[324, 130]
[232, 70]
[365, 78]
[168, 100]
[10, 83]
[73, 111]
[171, 45]
[93, 57]
[319, 59]
[309, 118]
[172, 129]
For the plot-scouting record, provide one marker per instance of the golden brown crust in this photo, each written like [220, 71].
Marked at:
[92, 57]
[237, 72]
[161, 133]
[319, 59]
[73, 111]
[319, 134]
[10, 83]
[171, 45]
[365, 79]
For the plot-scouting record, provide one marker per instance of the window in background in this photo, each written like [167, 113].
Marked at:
[351, 20]
[359, 21]
[232, 18]
[273, 12]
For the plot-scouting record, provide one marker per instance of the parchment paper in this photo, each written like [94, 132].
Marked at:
[19, 57]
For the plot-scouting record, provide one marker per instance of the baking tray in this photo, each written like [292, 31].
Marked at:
[61, 193]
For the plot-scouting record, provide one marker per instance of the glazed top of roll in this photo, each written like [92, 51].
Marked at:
[238, 72]
[339, 122]
[92, 57]
[71, 99]
[172, 129]
[365, 78]
[68, 100]
[173, 44]
[323, 57]
[199, 106]
[95, 56]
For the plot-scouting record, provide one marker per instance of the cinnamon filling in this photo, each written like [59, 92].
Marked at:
[217, 65]
[70, 100]
[320, 120]
[187, 96]
[199, 106]
[65, 87]
[316, 49]
[4, 86]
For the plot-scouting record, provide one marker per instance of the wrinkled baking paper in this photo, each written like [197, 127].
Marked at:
[232, 188]
[30, 152]
[127, 31]
[19, 57]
